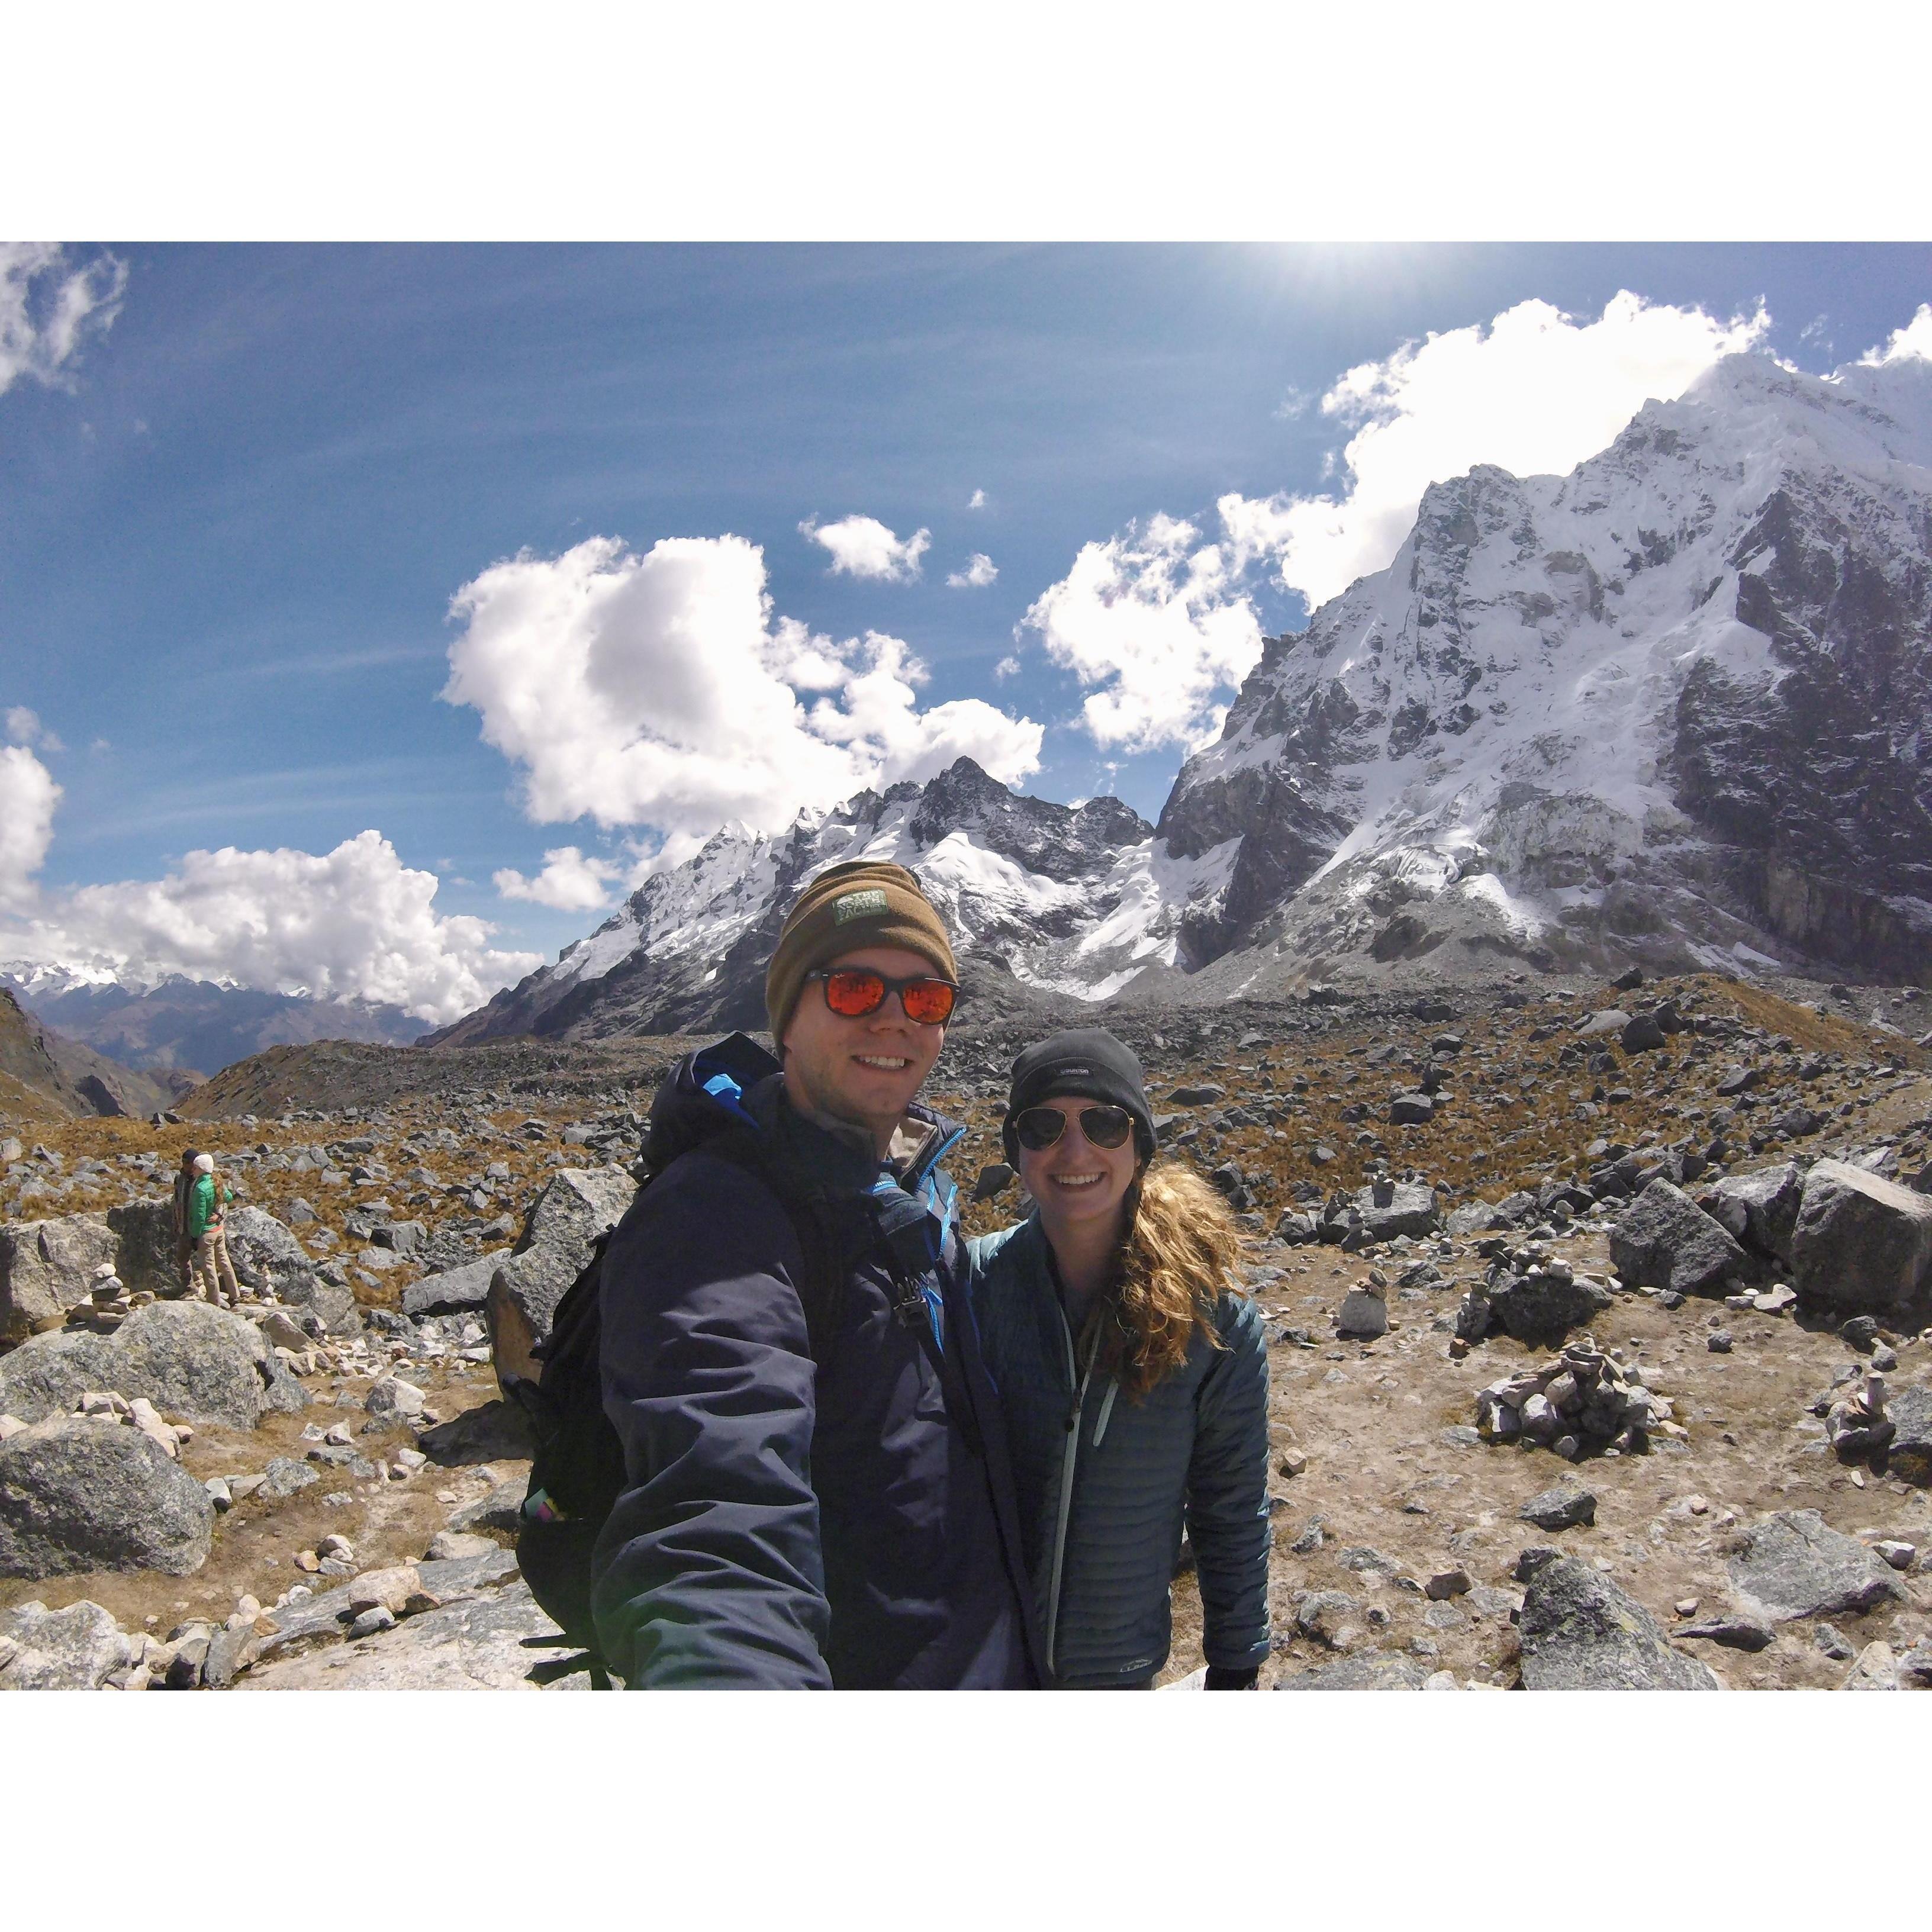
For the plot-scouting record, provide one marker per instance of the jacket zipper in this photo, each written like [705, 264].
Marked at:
[1065, 1486]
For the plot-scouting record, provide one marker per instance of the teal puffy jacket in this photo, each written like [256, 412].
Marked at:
[1102, 1532]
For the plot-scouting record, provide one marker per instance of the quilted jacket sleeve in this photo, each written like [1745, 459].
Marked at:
[708, 1572]
[1227, 1492]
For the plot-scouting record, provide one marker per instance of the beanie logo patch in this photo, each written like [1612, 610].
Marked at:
[858, 905]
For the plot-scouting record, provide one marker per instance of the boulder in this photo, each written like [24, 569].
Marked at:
[1539, 1309]
[1364, 1313]
[188, 1357]
[1642, 1033]
[47, 1267]
[1664, 1240]
[1791, 1565]
[495, 1640]
[1909, 1412]
[285, 1476]
[454, 1292]
[995, 1179]
[80, 1494]
[266, 1255]
[1392, 1208]
[1579, 1631]
[1411, 1110]
[146, 1257]
[1761, 1210]
[577, 1205]
[331, 1303]
[1860, 1241]
[1561, 1508]
[1368, 1670]
[73, 1649]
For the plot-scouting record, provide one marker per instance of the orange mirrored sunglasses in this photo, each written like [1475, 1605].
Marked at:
[853, 991]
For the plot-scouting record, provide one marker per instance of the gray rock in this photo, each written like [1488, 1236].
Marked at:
[285, 1476]
[1363, 1314]
[1471, 1218]
[1761, 1210]
[1791, 1565]
[1368, 1670]
[1540, 1309]
[1735, 1632]
[47, 1267]
[1860, 1241]
[453, 1291]
[452, 1546]
[496, 1641]
[1204, 1095]
[77, 1494]
[995, 1179]
[1411, 1110]
[188, 1358]
[501, 1510]
[145, 1255]
[332, 1303]
[1664, 1240]
[229, 1652]
[1566, 1507]
[1392, 1208]
[283, 1391]
[576, 1206]
[1909, 1412]
[73, 1649]
[1579, 1631]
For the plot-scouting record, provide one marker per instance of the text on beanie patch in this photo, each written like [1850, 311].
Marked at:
[858, 905]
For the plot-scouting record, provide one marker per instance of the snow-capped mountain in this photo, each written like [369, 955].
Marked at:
[1070, 898]
[175, 1022]
[1674, 704]
[1675, 707]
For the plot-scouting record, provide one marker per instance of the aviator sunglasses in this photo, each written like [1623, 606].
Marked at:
[853, 991]
[1039, 1127]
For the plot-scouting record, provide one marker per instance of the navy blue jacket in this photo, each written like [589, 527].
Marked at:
[1106, 1483]
[849, 1522]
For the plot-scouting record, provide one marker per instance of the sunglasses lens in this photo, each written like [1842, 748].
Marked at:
[853, 995]
[1106, 1126]
[927, 1001]
[1039, 1127]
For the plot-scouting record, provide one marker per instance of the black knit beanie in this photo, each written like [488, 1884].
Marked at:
[1087, 1064]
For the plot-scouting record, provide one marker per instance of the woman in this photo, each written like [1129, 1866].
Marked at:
[1132, 1375]
[207, 1228]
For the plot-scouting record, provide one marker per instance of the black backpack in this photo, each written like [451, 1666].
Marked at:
[577, 1472]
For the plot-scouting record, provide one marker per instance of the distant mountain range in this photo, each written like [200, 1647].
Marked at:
[1675, 708]
[193, 1026]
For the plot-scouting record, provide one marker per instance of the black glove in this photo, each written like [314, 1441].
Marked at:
[1219, 1679]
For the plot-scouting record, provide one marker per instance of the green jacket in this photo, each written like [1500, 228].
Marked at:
[202, 1214]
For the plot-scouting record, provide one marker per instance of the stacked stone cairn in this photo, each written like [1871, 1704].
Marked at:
[1856, 1425]
[1586, 1401]
[110, 1303]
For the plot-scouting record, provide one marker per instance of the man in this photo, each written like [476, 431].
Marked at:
[816, 1489]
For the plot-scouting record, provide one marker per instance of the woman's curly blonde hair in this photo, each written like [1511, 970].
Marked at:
[1175, 1261]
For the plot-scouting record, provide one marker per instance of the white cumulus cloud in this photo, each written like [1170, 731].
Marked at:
[571, 881]
[1008, 666]
[659, 690]
[28, 797]
[1914, 339]
[352, 923]
[1152, 622]
[1534, 391]
[977, 501]
[979, 571]
[864, 547]
[50, 307]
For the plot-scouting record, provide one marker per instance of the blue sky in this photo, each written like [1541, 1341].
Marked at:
[234, 515]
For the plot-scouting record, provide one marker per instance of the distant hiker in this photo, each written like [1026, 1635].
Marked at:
[207, 1230]
[1133, 1375]
[184, 1179]
[816, 1492]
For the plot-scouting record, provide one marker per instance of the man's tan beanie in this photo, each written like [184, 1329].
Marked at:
[844, 909]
